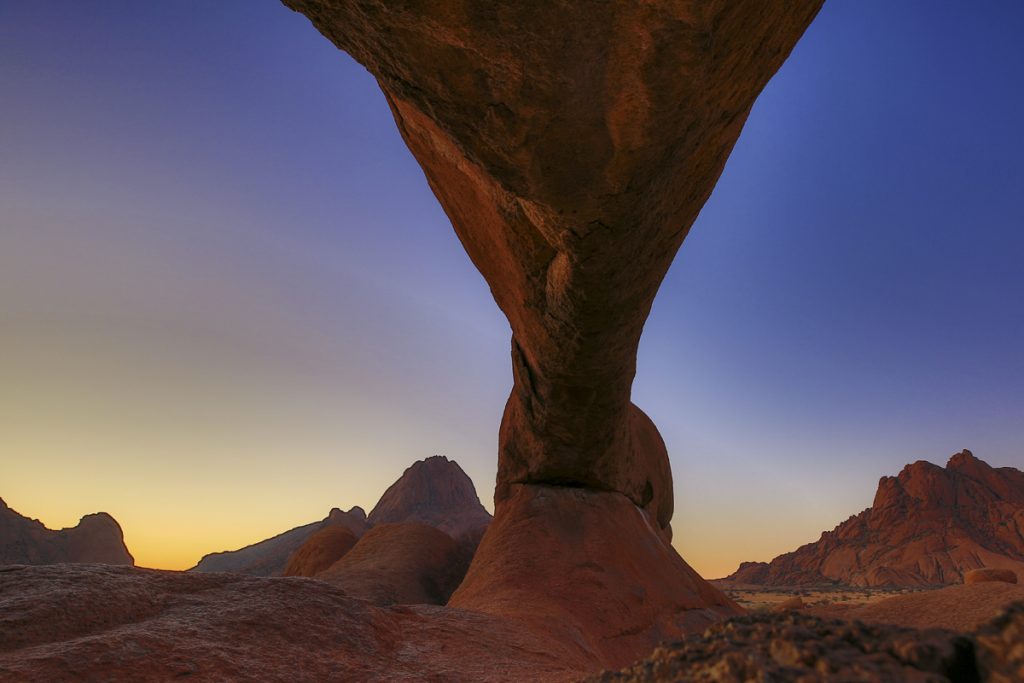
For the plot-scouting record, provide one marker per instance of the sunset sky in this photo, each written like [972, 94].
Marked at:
[230, 302]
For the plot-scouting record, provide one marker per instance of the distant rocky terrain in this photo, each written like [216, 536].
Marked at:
[96, 538]
[270, 557]
[927, 526]
[413, 547]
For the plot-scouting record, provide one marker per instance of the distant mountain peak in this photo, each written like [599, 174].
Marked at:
[927, 525]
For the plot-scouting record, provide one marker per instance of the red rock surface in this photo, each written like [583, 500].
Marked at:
[320, 551]
[406, 563]
[927, 526]
[987, 575]
[271, 557]
[436, 492]
[585, 568]
[96, 538]
[98, 623]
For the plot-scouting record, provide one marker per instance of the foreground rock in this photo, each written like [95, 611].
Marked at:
[407, 563]
[97, 623]
[928, 526]
[96, 538]
[271, 557]
[583, 568]
[797, 647]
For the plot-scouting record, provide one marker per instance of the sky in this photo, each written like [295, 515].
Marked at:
[230, 302]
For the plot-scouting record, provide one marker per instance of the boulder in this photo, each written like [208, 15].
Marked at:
[986, 575]
[96, 538]
[320, 551]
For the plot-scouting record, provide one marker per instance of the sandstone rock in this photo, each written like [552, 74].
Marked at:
[584, 568]
[97, 623]
[406, 563]
[999, 649]
[320, 551]
[987, 574]
[796, 647]
[96, 538]
[572, 146]
[436, 492]
[270, 557]
[928, 526]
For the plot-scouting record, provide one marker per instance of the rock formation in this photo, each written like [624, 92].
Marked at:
[270, 557]
[572, 145]
[320, 551]
[96, 538]
[406, 563]
[927, 526]
[987, 575]
[436, 492]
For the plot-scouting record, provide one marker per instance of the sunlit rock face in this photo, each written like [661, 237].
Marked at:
[572, 145]
[927, 526]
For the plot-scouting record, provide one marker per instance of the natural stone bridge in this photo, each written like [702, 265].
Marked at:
[572, 145]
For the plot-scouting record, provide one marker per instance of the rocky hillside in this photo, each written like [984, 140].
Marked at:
[435, 492]
[270, 557]
[96, 538]
[927, 526]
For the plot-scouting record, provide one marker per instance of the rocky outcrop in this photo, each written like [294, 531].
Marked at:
[320, 551]
[435, 492]
[572, 145]
[927, 526]
[611, 587]
[96, 538]
[406, 563]
[95, 623]
[271, 557]
[798, 647]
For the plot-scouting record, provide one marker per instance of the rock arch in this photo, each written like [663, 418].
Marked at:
[572, 145]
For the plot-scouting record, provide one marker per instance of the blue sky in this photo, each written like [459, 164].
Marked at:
[229, 301]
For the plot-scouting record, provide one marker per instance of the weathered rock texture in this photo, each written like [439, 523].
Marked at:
[271, 557]
[406, 563]
[927, 526]
[572, 145]
[990, 575]
[96, 538]
[96, 623]
[585, 568]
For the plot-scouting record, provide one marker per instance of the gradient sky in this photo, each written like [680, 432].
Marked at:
[229, 301]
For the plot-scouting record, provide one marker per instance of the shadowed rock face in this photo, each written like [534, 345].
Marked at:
[572, 145]
[96, 538]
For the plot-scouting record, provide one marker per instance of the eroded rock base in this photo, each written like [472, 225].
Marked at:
[590, 570]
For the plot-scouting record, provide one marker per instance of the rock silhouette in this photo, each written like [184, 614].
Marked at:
[927, 526]
[96, 538]
[435, 492]
[271, 557]
[572, 146]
